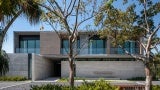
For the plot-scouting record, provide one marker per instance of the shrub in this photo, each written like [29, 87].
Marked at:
[97, 85]
[65, 79]
[142, 78]
[4, 62]
[50, 87]
[12, 78]
[137, 78]
[156, 87]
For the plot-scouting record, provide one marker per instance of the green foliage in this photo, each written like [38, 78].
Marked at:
[155, 66]
[156, 87]
[51, 87]
[63, 80]
[4, 63]
[127, 24]
[9, 8]
[137, 78]
[97, 85]
[12, 78]
[67, 79]
[141, 78]
[118, 24]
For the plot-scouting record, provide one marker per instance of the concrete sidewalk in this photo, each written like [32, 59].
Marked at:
[26, 85]
[8, 84]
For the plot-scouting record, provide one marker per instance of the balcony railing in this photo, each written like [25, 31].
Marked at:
[101, 51]
[85, 51]
[27, 50]
[122, 51]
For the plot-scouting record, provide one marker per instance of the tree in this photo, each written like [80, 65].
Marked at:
[4, 60]
[132, 24]
[156, 66]
[11, 9]
[9, 12]
[66, 17]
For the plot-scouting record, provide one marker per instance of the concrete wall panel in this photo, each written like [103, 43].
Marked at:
[41, 67]
[18, 65]
[49, 43]
[105, 69]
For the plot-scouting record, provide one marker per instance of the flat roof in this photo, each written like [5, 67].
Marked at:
[27, 32]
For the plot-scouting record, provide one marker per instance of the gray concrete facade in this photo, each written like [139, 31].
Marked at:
[17, 37]
[105, 69]
[41, 67]
[18, 65]
[49, 43]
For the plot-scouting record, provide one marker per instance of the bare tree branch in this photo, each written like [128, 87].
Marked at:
[76, 21]
[65, 4]
[84, 20]
[51, 5]
[133, 55]
[150, 38]
[143, 46]
[145, 16]
[4, 31]
[59, 8]
[155, 30]
[69, 13]
[49, 9]
[11, 21]
[153, 46]
[144, 28]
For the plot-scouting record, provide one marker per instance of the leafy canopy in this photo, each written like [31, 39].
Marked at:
[127, 24]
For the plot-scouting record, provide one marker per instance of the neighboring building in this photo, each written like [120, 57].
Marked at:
[46, 56]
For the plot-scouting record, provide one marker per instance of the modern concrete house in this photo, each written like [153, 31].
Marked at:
[39, 55]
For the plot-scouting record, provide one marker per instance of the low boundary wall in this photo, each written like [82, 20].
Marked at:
[105, 69]
[18, 65]
[41, 67]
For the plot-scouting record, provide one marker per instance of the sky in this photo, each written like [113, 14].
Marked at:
[21, 24]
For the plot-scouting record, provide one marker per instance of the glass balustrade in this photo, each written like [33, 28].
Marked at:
[85, 51]
[28, 50]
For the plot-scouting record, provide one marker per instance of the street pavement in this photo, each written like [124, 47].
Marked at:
[26, 85]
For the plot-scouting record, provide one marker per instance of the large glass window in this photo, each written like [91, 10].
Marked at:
[96, 45]
[29, 44]
[65, 46]
[130, 46]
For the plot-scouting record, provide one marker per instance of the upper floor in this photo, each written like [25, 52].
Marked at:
[48, 42]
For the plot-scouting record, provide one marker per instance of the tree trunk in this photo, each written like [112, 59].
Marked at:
[1, 40]
[4, 31]
[148, 84]
[71, 58]
[71, 74]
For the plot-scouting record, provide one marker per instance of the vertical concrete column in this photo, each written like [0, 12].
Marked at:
[108, 42]
[16, 42]
[84, 43]
[33, 67]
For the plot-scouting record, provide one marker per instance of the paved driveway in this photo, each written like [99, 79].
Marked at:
[25, 85]
[4, 84]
